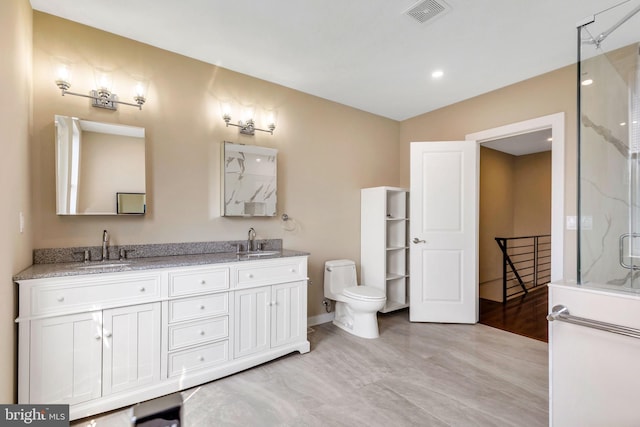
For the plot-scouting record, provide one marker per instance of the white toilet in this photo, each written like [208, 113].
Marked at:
[356, 306]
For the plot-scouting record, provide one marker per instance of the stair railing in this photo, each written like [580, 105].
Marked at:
[526, 264]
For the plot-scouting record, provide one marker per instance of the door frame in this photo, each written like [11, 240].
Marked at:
[556, 123]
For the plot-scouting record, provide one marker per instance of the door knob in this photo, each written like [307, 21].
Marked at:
[416, 240]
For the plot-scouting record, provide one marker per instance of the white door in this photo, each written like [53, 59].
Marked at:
[288, 313]
[131, 340]
[66, 359]
[444, 232]
[252, 324]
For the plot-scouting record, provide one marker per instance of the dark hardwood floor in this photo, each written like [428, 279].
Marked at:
[526, 315]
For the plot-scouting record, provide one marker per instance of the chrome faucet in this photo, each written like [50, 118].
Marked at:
[250, 238]
[105, 245]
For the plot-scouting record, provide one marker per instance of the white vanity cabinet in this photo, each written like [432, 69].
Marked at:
[65, 359]
[196, 320]
[79, 357]
[130, 343]
[89, 353]
[269, 316]
[274, 313]
[104, 341]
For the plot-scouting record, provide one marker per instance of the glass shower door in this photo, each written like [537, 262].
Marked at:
[609, 150]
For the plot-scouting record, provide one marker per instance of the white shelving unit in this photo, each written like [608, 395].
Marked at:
[384, 247]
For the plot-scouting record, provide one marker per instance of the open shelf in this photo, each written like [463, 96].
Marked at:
[384, 246]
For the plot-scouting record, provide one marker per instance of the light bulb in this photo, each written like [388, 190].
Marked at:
[63, 77]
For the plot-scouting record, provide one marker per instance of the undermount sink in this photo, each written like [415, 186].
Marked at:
[103, 265]
[258, 253]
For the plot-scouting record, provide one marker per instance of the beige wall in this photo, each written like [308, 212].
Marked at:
[532, 194]
[15, 116]
[496, 211]
[327, 151]
[539, 96]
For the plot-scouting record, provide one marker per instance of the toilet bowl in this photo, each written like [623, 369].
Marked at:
[356, 306]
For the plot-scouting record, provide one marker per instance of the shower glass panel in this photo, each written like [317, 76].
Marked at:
[609, 149]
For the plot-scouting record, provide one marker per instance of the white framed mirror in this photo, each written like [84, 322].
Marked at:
[95, 163]
[249, 180]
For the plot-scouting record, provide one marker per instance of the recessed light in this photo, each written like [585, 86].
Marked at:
[623, 123]
[587, 82]
[437, 74]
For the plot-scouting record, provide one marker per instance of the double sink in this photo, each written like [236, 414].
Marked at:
[97, 265]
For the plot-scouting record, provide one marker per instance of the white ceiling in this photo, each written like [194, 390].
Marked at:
[526, 143]
[367, 54]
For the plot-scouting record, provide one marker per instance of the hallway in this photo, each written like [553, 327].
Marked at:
[526, 315]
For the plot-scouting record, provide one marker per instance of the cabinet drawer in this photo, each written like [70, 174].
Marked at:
[198, 281]
[198, 307]
[93, 293]
[192, 333]
[198, 358]
[267, 273]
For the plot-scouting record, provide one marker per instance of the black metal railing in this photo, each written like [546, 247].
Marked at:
[526, 264]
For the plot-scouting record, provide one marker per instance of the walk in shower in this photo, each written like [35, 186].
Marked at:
[609, 149]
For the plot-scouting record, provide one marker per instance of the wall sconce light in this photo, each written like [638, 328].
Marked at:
[102, 97]
[246, 124]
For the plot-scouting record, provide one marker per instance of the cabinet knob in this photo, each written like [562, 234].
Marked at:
[250, 276]
[142, 289]
[293, 270]
[202, 307]
[98, 337]
[61, 298]
[201, 332]
[201, 358]
[108, 334]
[203, 282]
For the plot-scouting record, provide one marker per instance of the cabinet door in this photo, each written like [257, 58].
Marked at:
[131, 347]
[252, 313]
[66, 359]
[288, 313]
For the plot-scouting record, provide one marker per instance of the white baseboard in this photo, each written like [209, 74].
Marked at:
[322, 318]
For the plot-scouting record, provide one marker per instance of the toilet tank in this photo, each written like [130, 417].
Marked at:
[338, 274]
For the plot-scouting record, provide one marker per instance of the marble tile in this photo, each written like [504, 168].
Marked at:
[415, 374]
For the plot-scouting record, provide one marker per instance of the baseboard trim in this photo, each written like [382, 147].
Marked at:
[321, 318]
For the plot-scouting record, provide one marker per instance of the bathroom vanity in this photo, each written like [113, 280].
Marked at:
[101, 338]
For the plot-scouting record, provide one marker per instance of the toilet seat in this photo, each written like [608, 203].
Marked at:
[364, 293]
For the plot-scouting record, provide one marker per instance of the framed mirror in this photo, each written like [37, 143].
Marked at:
[100, 168]
[249, 180]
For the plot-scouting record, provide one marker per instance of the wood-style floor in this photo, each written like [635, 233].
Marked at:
[526, 315]
[415, 374]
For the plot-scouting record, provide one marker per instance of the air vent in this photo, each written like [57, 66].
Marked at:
[427, 10]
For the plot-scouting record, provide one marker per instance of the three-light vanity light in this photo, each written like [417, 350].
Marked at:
[102, 97]
[247, 124]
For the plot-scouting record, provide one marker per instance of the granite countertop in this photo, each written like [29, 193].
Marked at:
[62, 269]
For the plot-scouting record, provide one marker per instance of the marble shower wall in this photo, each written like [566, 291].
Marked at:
[607, 166]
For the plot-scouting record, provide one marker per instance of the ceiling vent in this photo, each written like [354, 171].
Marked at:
[426, 10]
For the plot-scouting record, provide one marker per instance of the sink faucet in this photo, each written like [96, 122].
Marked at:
[105, 245]
[250, 238]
